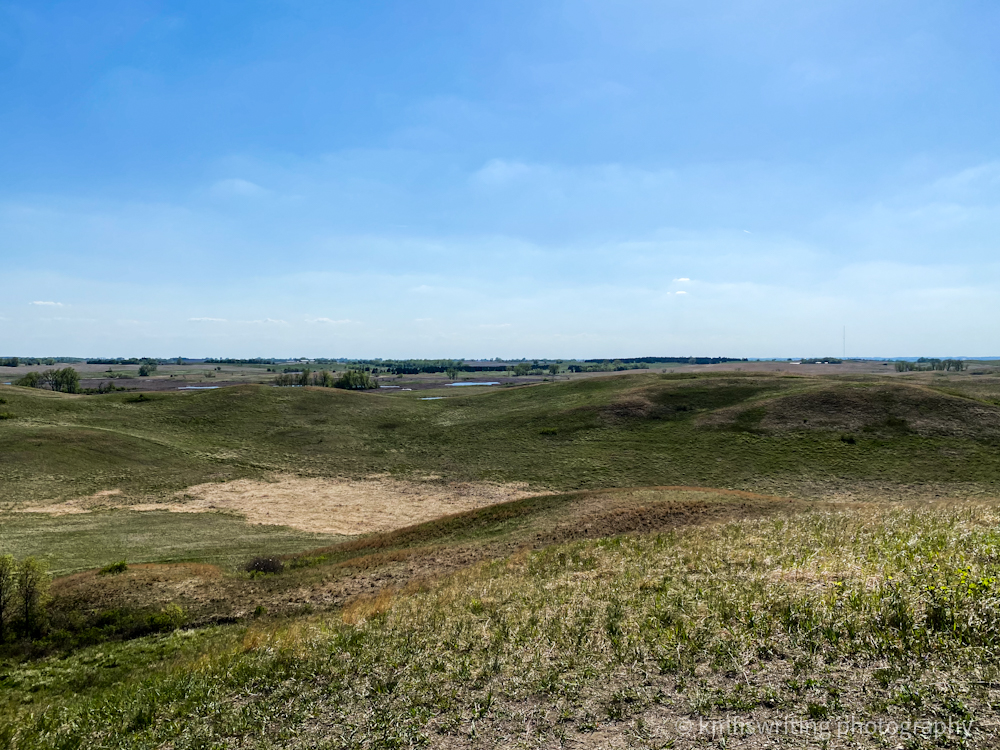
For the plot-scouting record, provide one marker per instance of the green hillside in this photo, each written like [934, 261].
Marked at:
[816, 621]
[763, 433]
[821, 580]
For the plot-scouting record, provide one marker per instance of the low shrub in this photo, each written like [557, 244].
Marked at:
[115, 568]
[264, 565]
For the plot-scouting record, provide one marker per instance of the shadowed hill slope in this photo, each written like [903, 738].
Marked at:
[867, 408]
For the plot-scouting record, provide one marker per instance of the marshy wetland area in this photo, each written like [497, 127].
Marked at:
[741, 554]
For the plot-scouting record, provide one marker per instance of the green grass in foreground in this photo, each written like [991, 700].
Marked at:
[888, 613]
[89, 540]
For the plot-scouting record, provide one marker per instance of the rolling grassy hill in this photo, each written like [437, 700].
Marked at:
[584, 616]
[803, 436]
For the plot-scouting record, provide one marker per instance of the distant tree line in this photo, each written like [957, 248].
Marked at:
[822, 361]
[254, 361]
[667, 360]
[127, 361]
[352, 380]
[925, 364]
[421, 366]
[31, 361]
[607, 367]
[66, 380]
[535, 368]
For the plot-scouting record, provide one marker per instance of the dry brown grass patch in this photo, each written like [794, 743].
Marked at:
[365, 607]
[331, 506]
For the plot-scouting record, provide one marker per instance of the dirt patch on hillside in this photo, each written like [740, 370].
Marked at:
[328, 506]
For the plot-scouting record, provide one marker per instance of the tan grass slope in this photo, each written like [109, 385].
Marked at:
[329, 506]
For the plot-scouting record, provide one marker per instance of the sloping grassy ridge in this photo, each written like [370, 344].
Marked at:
[866, 614]
[332, 575]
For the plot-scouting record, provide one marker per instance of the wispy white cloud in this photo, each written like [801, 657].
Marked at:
[237, 188]
[49, 304]
[498, 172]
[208, 320]
[680, 292]
[264, 321]
[494, 325]
[331, 321]
[682, 279]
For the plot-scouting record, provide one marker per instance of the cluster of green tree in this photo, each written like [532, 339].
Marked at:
[66, 380]
[822, 361]
[524, 368]
[292, 378]
[253, 361]
[10, 361]
[608, 367]
[925, 364]
[353, 380]
[147, 368]
[23, 595]
[33, 623]
[668, 360]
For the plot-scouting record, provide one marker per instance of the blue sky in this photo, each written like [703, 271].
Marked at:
[499, 179]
